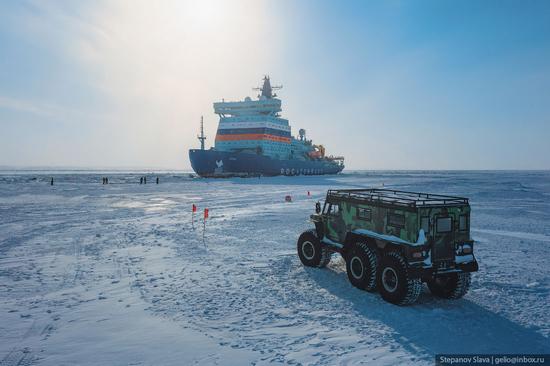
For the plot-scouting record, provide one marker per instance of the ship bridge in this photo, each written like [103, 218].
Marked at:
[266, 104]
[248, 107]
[254, 125]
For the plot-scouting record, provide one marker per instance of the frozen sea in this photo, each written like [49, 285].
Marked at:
[94, 274]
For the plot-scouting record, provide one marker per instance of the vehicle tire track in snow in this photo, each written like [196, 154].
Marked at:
[18, 357]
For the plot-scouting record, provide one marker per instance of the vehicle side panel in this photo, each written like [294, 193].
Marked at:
[403, 224]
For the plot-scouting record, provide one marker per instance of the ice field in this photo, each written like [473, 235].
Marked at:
[94, 274]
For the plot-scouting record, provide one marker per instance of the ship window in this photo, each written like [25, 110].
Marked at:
[425, 224]
[444, 224]
[364, 213]
[396, 220]
[463, 222]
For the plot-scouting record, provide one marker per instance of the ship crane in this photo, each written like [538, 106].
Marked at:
[321, 149]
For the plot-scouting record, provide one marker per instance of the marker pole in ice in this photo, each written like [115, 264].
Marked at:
[205, 216]
[193, 210]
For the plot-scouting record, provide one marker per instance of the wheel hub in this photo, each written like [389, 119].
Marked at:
[308, 250]
[389, 279]
[356, 266]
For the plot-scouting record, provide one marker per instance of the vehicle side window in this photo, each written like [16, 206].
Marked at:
[463, 223]
[364, 213]
[425, 224]
[444, 224]
[334, 210]
[396, 220]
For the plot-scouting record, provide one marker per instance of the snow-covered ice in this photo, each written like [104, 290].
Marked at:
[94, 274]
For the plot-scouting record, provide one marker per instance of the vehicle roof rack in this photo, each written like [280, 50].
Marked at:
[395, 197]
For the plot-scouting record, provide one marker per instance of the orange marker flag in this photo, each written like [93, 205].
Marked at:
[205, 213]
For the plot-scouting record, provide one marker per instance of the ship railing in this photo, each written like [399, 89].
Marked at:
[399, 198]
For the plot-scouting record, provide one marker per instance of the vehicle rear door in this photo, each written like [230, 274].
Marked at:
[443, 247]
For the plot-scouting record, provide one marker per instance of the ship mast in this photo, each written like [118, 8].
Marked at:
[267, 89]
[201, 137]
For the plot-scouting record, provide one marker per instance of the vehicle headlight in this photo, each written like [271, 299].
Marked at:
[463, 249]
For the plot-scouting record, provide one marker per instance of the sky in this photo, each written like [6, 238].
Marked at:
[388, 84]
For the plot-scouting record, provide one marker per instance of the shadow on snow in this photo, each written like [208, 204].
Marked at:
[436, 325]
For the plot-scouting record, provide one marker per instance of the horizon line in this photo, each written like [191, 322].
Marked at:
[7, 168]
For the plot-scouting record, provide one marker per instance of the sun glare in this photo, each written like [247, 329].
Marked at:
[205, 15]
[162, 65]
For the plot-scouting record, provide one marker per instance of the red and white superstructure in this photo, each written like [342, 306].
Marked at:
[254, 125]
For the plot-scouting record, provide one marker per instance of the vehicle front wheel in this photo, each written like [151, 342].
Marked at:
[394, 282]
[450, 286]
[310, 250]
[361, 263]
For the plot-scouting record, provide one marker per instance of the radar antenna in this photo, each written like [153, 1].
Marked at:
[267, 89]
[201, 137]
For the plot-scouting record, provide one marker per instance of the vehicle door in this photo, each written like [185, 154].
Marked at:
[336, 226]
[443, 234]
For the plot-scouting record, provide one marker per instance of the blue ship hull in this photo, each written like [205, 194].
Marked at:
[213, 163]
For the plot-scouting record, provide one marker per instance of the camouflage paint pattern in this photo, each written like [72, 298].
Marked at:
[443, 244]
[405, 225]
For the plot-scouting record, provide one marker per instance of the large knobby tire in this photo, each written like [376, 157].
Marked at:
[450, 286]
[394, 282]
[310, 250]
[361, 264]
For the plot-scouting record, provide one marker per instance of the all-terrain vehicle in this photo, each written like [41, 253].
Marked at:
[392, 241]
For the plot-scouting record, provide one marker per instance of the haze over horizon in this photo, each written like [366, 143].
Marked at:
[390, 85]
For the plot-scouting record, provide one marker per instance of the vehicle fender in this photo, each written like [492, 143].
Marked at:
[319, 229]
[352, 238]
[381, 246]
